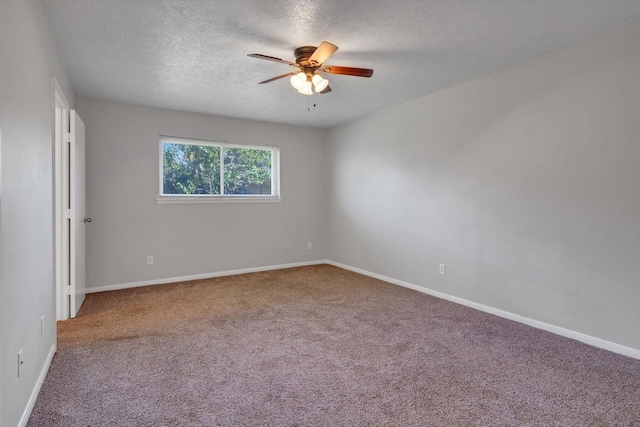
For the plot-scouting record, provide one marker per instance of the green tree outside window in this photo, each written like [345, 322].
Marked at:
[190, 169]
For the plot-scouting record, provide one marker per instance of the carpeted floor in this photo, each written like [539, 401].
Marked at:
[320, 346]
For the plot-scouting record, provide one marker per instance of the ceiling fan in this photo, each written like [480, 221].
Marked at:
[309, 64]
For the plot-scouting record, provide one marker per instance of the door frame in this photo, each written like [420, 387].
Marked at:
[61, 227]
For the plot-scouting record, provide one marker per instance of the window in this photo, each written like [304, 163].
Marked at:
[217, 170]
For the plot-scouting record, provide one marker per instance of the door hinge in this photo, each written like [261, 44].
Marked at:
[66, 213]
[67, 290]
[67, 136]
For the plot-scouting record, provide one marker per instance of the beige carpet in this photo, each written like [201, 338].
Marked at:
[320, 346]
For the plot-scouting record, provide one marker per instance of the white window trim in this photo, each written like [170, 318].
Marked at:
[162, 200]
[228, 198]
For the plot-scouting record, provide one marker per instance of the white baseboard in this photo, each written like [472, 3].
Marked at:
[578, 336]
[36, 389]
[202, 276]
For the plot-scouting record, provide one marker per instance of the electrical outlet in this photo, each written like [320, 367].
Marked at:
[42, 325]
[150, 260]
[20, 363]
[309, 245]
[443, 269]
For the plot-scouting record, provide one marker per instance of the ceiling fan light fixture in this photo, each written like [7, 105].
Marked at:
[298, 80]
[306, 89]
[319, 82]
[308, 76]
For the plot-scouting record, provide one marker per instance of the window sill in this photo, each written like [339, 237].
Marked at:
[162, 200]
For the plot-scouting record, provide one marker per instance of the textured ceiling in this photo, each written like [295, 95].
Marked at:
[191, 55]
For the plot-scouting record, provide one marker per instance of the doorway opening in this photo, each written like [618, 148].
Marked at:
[69, 213]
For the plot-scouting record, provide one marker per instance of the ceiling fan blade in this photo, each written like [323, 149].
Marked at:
[325, 90]
[322, 53]
[348, 71]
[272, 58]
[277, 78]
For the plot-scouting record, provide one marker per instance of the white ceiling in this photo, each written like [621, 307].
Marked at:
[191, 55]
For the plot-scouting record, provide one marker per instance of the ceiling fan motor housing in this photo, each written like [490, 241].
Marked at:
[302, 55]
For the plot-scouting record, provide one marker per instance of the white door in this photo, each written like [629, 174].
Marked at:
[78, 220]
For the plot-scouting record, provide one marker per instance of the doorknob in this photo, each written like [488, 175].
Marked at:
[87, 220]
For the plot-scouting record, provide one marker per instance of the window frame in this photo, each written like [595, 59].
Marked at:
[219, 198]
